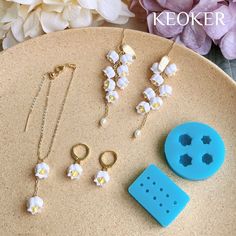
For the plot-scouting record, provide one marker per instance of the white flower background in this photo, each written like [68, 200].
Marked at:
[24, 19]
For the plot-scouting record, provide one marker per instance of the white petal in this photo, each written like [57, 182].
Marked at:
[110, 10]
[32, 26]
[17, 29]
[9, 41]
[84, 19]
[52, 22]
[71, 12]
[89, 4]
[25, 2]
[10, 14]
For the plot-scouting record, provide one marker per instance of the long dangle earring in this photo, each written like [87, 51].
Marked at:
[116, 74]
[153, 96]
[41, 170]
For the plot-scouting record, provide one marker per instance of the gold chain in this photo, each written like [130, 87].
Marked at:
[51, 76]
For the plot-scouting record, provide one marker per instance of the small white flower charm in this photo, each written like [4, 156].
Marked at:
[109, 72]
[143, 108]
[74, 171]
[123, 70]
[156, 103]
[154, 68]
[34, 205]
[42, 170]
[171, 70]
[112, 96]
[149, 93]
[126, 59]
[109, 85]
[122, 83]
[157, 80]
[113, 56]
[102, 178]
[165, 90]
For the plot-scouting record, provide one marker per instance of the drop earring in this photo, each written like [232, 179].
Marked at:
[102, 177]
[116, 74]
[153, 97]
[75, 170]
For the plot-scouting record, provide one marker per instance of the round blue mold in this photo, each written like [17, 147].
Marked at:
[194, 151]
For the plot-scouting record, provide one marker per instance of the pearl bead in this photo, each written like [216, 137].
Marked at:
[137, 133]
[103, 122]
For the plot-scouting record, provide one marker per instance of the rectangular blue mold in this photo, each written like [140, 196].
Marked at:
[159, 195]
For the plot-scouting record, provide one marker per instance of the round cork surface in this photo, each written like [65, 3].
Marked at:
[201, 92]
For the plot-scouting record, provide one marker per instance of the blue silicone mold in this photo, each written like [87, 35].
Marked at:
[194, 151]
[159, 195]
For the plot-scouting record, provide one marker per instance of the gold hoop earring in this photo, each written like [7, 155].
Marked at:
[75, 170]
[102, 177]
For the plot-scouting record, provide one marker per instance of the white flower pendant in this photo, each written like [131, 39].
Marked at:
[102, 178]
[74, 171]
[35, 205]
[41, 170]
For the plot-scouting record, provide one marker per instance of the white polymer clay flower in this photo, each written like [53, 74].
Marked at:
[156, 103]
[165, 90]
[123, 70]
[171, 69]
[101, 178]
[149, 93]
[154, 68]
[157, 79]
[109, 85]
[122, 82]
[113, 56]
[74, 171]
[42, 170]
[143, 107]
[109, 72]
[126, 59]
[34, 205]
[112, 96]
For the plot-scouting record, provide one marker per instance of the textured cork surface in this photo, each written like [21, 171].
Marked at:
[202, 92]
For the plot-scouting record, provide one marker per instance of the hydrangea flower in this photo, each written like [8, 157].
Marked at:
[24, 19]
[197, 37]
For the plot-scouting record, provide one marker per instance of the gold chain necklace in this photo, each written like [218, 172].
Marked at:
[35, 203]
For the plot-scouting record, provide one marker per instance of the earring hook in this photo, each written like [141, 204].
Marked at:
[109, 165]
[75, 156]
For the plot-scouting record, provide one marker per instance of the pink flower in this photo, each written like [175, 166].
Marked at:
[188, 22]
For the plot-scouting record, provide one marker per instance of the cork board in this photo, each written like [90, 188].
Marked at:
[202, 92]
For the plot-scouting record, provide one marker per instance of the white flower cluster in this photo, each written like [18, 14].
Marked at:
[116, 75]
[152, 100]
[35, 203]
[24, 19]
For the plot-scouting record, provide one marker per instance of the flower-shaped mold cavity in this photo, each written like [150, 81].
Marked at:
[185, 139]
[185, 160]
[194, 151]
[206, 140]
[207, 159]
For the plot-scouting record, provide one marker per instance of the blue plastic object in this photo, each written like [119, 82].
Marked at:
[194, 151]
[159, 195]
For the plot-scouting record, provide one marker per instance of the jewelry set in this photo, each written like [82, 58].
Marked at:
[115, 78]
